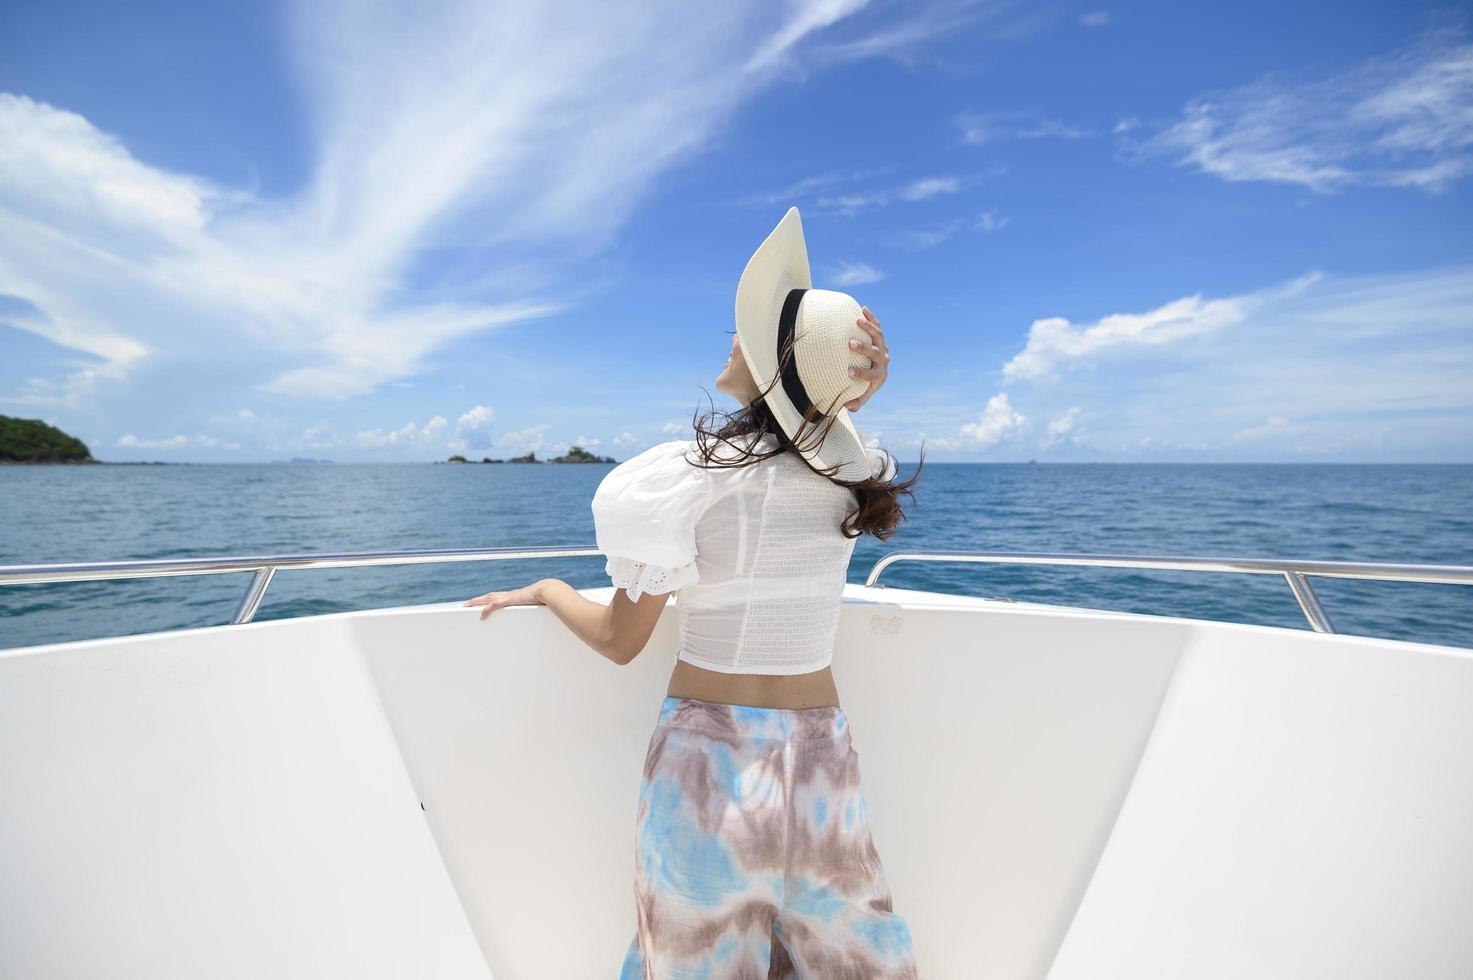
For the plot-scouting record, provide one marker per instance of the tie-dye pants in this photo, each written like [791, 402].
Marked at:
[753, 855]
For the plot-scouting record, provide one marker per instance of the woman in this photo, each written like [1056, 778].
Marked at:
[753, 851]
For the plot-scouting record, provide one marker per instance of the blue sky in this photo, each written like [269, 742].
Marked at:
[1138, 231]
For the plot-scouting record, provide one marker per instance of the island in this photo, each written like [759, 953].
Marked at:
[575, 454]
[33, 441]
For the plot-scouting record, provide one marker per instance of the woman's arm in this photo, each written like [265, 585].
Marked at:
[618, 631]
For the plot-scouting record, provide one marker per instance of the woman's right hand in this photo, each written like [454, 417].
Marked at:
[879, 357]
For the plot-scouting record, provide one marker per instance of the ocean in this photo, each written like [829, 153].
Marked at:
[1346, 512]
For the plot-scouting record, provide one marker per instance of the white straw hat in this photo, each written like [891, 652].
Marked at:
[775, 298]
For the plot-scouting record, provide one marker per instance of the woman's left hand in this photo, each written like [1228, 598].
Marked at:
[492, 601]
[878, 353]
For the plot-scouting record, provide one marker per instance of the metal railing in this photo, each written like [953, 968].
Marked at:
[264, 567]
[1296, 573]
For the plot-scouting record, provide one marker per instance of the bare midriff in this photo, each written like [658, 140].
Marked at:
[809, 690]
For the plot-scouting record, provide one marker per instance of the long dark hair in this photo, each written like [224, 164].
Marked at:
[879, 507]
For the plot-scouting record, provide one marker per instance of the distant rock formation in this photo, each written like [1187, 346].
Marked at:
[575, 454]
[33, 441]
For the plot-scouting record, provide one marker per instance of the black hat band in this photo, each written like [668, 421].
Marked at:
[792, 384]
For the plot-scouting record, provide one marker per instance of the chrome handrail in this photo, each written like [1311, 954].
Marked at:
[265, 567]
[1296, 573]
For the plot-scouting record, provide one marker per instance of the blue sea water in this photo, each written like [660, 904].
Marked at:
[1352, 512]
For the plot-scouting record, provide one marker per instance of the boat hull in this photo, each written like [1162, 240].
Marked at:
[415, 793]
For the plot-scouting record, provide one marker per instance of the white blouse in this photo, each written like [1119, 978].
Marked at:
[755, 552]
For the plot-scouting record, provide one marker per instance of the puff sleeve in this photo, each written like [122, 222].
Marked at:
[644, 516]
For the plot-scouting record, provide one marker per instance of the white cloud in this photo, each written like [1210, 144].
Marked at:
[1293, 372]
[980, 127]
[948, 444]
[999, 421]
[130, 441]
[59, 313]
[992, 221]
[1404, 120]
[360, 354]
[923, 238]
[930, 237]
[926, 187]
[920, 189]
[530, 439]
[61, 165]
[587, 442]
[473, 430]
[1095, 18]
[1055, 342]
[320, 436]
[898, 38]
[855, 274]
[456, 125]
[1062, 426]
[809, 185]
[474, 427]
[628, 439]
[408, 435]
[803, 20]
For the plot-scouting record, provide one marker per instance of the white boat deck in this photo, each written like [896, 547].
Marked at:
[1055, 793]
